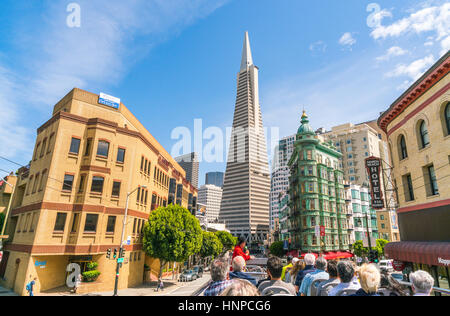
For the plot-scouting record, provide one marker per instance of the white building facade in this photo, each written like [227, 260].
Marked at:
[211, 196]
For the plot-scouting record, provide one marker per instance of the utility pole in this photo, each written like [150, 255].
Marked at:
[122, 248]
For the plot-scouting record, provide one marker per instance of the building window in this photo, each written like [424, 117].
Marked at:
[116, 189]
[75, 146]
[36, 152]
[408, 187]
[424, 137]
[35, 184]
[447, 117]
[121, 155]
[90, 225]
[110, 228]
[103, 148]
[60, 222]
[44, 145]
[433, 182]
[97, 184]
[50, 142]
[43, 179]
[68, 182]
[403, 149]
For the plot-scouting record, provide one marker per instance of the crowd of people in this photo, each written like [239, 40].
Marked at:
[310, 277]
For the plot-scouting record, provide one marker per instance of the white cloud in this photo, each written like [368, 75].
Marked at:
[414, 70]
[392, 52]
[318, 47]
[445, 44]
[429, 19]
[430, 43]
[347, 40]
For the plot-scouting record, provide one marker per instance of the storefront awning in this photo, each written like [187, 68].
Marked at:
[431, 253]
[333, 255]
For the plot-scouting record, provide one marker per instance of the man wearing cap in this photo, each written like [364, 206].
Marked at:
[287, 269]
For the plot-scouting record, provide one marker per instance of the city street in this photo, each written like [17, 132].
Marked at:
[172, 288]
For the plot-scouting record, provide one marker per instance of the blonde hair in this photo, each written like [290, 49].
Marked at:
[241, 287]
[370, 278]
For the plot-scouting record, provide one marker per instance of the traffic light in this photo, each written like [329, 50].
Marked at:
[373, 256]
[122, 253]
[115, 254]
[108, 253]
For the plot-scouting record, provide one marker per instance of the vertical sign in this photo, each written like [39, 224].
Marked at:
[373, 165]
[317, 231]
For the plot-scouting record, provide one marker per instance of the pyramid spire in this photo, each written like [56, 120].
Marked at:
[247, 59]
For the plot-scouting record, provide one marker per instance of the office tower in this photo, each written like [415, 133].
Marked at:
[215, 178]
[191, 165]
[245, 200]
[211, 196]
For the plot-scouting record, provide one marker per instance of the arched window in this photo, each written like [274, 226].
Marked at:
[424, 137]
[447, 117]
[403, 149]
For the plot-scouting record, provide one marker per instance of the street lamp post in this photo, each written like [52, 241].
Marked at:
[116, 285]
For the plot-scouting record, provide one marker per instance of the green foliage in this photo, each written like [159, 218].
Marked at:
[2, 220]
[276, 249]
[227, 240]
[91, 276]
[381, 243]
[361, 251]
[172, 234]
[211, 246]
[91, 266]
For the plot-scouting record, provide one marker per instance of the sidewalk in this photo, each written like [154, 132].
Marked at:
[5, 292]
[171, 288]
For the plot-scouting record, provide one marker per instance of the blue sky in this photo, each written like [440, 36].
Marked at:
[173, 61]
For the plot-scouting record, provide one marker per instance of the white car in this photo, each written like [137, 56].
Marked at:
[386, 265]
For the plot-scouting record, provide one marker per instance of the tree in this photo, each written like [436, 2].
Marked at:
[227, 240]
[381, 243]
[211, 246]
[172, 234]
[361, 251]
[277, 249]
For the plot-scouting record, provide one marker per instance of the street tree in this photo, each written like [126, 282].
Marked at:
[211, 246]
[277, 249]
[361, 251]
[228, 241]
[172, 234]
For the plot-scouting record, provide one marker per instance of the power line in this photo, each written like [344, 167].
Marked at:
[13, 162]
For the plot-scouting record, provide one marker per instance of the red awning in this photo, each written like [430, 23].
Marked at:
[333, 255]
[431, 253]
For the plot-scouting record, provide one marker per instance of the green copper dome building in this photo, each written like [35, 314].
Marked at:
[317, 195]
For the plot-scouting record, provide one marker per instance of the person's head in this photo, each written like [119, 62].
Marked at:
[310, 259]
[238, 264]
[298, 266]
[295, 260]
[321, 264]
[346, 272]
[274, 268]
[422, 282]
[219, 270]
[332, 268]
[242, 241]
[370, 278]
[240, 287]
[289, 259]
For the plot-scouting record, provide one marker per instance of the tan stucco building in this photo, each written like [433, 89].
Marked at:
[356, 143]
[418, 128]
[6, 189]
[69, 205]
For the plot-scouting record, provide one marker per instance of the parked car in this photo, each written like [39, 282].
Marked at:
[188, 276]
[386, 265]
[199, 271]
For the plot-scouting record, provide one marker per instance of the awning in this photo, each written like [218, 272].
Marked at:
[431, 253]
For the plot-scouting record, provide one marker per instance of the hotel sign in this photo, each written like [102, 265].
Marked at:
[109, 100]
[374, 166]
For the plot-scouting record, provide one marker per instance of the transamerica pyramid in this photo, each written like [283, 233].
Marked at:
[245, 199]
